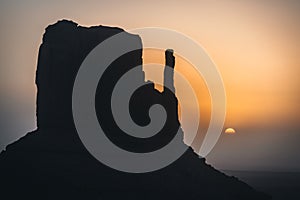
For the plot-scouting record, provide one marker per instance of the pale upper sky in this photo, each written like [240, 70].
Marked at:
[255, 45]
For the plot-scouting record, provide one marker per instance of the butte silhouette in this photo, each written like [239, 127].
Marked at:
[52, 163]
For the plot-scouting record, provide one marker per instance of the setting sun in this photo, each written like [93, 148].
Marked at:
[230, 131]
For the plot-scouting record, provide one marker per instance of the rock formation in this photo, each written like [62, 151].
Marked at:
[52, 163]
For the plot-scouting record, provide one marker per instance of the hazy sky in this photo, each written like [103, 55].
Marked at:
[255, 45]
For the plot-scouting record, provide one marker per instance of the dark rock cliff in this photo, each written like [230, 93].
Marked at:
[64, 47]
[52, 163]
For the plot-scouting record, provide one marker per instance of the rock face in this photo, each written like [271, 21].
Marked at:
[52, 163]
[64, 47]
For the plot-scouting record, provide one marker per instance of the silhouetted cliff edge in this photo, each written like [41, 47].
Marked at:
[52, 163]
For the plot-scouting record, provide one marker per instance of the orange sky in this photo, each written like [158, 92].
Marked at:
[255, 45]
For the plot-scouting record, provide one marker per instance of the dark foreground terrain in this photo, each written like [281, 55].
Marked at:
[281, 185]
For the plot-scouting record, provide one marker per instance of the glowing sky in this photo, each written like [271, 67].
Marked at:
[255, 45]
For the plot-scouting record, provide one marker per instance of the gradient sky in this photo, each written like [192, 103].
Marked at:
[255, 45]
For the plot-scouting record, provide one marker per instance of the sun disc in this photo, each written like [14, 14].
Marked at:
[230, 131]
